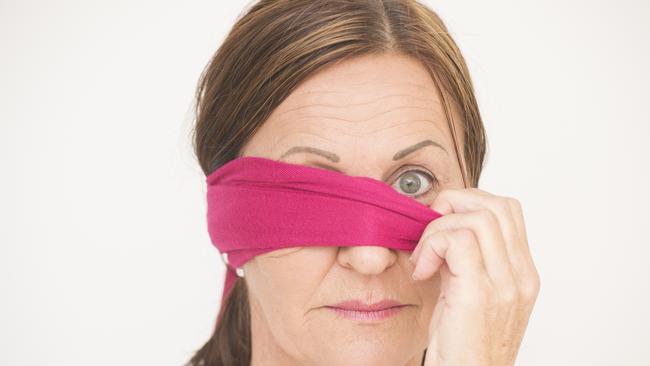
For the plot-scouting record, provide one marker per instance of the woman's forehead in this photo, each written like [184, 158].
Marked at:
[363, 89]
[368, 97]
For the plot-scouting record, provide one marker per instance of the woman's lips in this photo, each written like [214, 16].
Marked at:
[356, 310]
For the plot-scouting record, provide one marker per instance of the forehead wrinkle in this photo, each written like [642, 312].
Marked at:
[292, 133]
[358, 121]
[394, 109]
[430, 122]
[314, 122]
[345, 105]
[325, 102]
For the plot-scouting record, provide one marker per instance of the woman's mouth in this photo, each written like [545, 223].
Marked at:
[358, 311]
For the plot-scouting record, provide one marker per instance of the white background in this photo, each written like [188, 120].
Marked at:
[104, 253]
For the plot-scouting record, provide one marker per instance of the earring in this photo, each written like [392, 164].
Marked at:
[240, 271]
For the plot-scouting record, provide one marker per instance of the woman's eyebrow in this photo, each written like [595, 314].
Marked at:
[335, 158]
[402, 153]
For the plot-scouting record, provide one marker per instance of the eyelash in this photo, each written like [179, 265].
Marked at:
[433, 180]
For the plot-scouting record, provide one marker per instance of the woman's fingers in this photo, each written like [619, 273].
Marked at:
[490, 243]
[431, 250]
[460, 250]
[458, 247]
[474, 199]
[492, 220]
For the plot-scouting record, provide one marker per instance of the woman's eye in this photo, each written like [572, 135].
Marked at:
[415, 183]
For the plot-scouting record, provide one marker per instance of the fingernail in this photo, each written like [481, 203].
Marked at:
[411, 258]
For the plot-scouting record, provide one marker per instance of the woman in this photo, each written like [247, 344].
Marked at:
[344, 85]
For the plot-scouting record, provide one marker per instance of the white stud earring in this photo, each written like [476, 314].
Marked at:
[240, 272]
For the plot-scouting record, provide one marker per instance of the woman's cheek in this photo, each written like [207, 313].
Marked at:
[297, 277]
[428, 291]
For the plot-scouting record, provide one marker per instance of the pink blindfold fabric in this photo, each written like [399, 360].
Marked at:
[256, 205]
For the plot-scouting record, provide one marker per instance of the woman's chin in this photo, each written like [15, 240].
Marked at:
[391, 340]
[366, 350]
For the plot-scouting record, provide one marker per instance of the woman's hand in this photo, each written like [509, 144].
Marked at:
[489, 283]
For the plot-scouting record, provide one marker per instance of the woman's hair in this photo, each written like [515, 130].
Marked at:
[277, 44]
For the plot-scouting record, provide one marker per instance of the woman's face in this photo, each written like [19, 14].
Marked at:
[360, 113]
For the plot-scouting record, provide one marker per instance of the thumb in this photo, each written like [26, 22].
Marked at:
[441, 204]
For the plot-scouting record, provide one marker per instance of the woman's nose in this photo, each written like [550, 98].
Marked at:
[369, 260]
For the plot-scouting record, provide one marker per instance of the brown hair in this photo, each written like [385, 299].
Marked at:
[273, 47]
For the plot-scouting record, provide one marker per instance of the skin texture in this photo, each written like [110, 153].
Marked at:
[365, 110]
